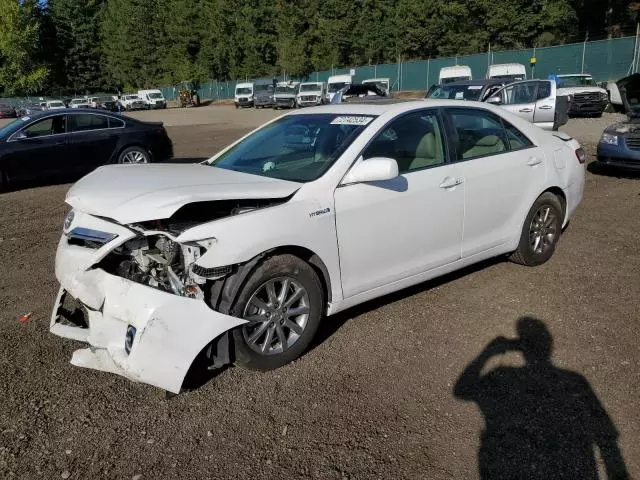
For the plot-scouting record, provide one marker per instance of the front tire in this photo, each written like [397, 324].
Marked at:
[283, 302]
[540, 232]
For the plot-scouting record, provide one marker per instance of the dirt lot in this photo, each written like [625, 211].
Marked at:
[375, 397]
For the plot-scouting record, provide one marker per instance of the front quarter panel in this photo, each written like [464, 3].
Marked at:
[302, 222]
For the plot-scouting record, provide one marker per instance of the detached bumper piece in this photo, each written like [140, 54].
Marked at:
[139, 332]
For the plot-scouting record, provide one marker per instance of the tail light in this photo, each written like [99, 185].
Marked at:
[581, 155]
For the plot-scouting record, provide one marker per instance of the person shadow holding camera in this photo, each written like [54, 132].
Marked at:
[541, 422]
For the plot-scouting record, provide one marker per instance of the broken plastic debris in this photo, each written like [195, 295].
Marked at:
[23, 319]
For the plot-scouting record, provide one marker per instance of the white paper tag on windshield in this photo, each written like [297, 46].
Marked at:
[351, 120]
[459, 96]
[25, 119]
[474, 87]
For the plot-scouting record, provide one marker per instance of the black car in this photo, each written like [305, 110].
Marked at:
[75, 141]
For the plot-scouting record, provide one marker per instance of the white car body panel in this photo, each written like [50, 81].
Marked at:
[355, 231]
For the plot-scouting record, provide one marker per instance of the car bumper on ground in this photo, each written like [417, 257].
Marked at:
[619, 155]
[166, 331]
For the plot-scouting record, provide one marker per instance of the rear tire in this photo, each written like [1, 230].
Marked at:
[284, 301]
[540, 232]
[134, 155]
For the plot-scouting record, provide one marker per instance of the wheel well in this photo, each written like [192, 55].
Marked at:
[129, 145]
[313, 260]
[557, 191]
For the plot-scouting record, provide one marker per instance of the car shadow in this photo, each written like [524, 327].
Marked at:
[541, 422]
[330, 325]
[597, 168]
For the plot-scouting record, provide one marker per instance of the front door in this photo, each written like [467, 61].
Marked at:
[38, 150]
[392, 230]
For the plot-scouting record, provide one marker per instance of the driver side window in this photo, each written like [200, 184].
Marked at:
[46, 126]
[519, 93]
[414, 141]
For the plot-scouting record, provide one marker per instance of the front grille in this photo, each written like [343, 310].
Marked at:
[283, 101]
[213, 272]
[586, 97]
[633, 142]
[308, 99]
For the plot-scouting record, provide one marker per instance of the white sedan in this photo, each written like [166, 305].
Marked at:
[239, 259]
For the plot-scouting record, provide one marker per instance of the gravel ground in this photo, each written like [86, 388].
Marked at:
[374, 398]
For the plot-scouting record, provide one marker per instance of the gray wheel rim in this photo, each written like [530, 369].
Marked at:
[135, 156]
[278, 312]
[543, 230]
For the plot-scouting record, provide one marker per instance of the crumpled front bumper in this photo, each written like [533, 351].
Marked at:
[170, 330]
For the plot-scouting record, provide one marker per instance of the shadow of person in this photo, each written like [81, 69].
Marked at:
[541, 422]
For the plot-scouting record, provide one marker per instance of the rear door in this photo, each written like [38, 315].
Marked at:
[91, 140]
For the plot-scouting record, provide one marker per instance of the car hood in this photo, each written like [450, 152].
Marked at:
[629, 88]
[137, 193]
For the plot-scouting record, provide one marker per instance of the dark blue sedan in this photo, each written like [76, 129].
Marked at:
[619, 145]
[73, 142]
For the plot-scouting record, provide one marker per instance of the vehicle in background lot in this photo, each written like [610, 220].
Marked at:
[79, 103]
[587, 98]
[188, 96]
[311, 94]
[475, 90]
[103, 102]
[534, 100]
[381, 83]
[29, 109]
[454, 74]
[239, 258]
[153, 98]
[507, 71]
[7, 111]
[263, 93]
[54, 105]
[362, 93]
[285, 94]
[335, 83]
[619, 145]
[132, 101]
[76, 141]
[243, 96]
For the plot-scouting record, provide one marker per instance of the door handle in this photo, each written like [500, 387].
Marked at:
[545, 107]
[526, 110]
[450, 182]
[533, 161]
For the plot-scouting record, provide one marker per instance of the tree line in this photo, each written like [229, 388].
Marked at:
[81, 46]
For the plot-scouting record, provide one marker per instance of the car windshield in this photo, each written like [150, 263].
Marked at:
[334, 87]
[106, 99]
[264, 87]
[155, 95]
[56, 104]
[454, 79]
[284, 90]
[298, 148]
[382, 86]
[512, 76]
[576, 82]
[78, 100]
[310, 87]
[131, 97]
[456, 92]
[242, 90]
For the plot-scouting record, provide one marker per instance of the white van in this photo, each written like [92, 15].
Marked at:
[453, 74]
[243, 96]
[153, 98]
[507, 71]
[381, 83]
[335, 83]
[310, 94]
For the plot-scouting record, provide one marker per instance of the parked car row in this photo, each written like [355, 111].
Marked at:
[272, 94]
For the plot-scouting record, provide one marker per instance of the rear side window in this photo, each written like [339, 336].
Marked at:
[519, 93]
[83, 123]
[517, 140]
[479, 133]
[115, 123]
[544, 90]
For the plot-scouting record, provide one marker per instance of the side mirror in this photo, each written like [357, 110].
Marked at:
[19, 135]
[495, 100]
[372, 170]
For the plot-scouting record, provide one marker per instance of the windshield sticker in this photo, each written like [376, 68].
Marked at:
[25, 119]
[459, 96]
[475, 87]
[351, 121]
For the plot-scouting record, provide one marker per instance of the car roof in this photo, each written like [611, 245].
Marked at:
[76, 111]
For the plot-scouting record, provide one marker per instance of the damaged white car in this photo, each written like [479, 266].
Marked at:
[238, 259]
